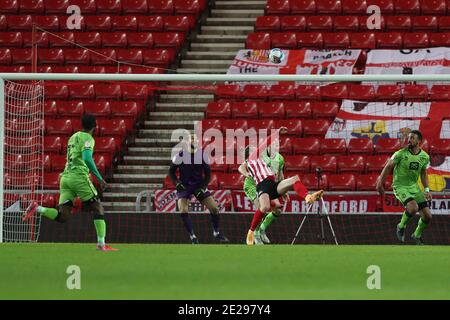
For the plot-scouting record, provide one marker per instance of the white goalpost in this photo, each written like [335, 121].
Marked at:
[22, 129]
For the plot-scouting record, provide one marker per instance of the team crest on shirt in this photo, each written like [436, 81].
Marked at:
[414, 166]
[87, 144]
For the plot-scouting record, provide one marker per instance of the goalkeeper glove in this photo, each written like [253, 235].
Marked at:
[180, 186]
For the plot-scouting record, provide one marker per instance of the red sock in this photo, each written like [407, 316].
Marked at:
[257, 217]
[300, 189]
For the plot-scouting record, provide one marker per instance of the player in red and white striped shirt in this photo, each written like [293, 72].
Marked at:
[268, 189]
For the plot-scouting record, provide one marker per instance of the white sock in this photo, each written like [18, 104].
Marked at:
[193, 236]
[216, 233]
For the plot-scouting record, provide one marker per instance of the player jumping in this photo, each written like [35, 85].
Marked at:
[276, 162]
[408, 164]
[268, 190]
[192, 182]
[75, 182]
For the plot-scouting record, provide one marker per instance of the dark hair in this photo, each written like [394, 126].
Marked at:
[418, 133]
[247, 152]
[88, 122]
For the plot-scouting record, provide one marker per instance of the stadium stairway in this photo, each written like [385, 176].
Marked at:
[147, 161]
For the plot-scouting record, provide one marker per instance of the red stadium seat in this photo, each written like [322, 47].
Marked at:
[108, 91]
[294, 126]
[311, 183]
[261, 125]
[387, 145]
[361, 92]
[366, 182]
[101, 163]
[439, 39]
[211, 124]
[334, 91]
[440, 93]
[398, 23]
[284, 40]
[255, 92]
[407, 7]
[310, 40]
[386, 6]
[9, 6]
[425, 23]
[114, 39]
[327, 163]
[3, 22]
[52, 144]
[21, 56]
[56, 91]
[360, 145]
[329, 7]
[5, 56]
[441, 147]
[88, 39]
[307, 7]
[297, 164]
[51, 56]
[307, 92]
[98, 108]
[59, 127]
[234, 124]
[292, 23]
[218, 110]
[325, 109]
[168, 40]
[64, 39]
[389, 40]
[51, 180]
[415, 40]
[333, 146]
[341, 182]
[415, 93]
[304, 146]
[362, 40]
[268, 23]
[285, 145]
[227, 91]
[82, 91]
[47, 163]
[191, 7]
[70, 109]
[150, 23]
[113, 127]
[10, 39]
[91, 69]
[218, 164]
[128, 109]
[258, 40]
[214, 182]
[19, 23]
[298, 109]
[106, 145]
[280, 7]
[178, 23]
[389, 92]
[346, 23]
[129, 56]
[444, 23]
[134, 91]
[231, 181]
[376, 163]
[134, 6]
[98, 23]
[49, 23]
[109, 6]
[13, 69]
[124, 23]
[244, 110]
[160, 7]
[31, 6]
[319, 23]
[103, 57]
[158, 57]
[77, 56]
[282, 91]
[433, 7]
[50, 109]
[354, 7]
[40, 39]
[58, 163]
[272, 110]
[351, 163]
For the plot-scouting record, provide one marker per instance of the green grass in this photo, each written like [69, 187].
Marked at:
[38, 271]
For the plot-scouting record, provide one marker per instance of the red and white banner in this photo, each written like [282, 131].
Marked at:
[295, 62]
[166, 201]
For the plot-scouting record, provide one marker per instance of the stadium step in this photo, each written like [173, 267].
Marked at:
[157, 142]
[125, 169]
[221, 47]
[236, 13]
[147, 160]
[174, 124]
[124, 178]
[239, 4]
[230, 21]
[155, 133]
[162, 115]
[215, 64]
[133, 187]
[197, 98]
[228, 55]
[229, 30]
[120, 196]
[179, 107]
[140, 151]
[219, 38]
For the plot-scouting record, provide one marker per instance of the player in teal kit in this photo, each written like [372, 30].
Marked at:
[408, 164]
[75, 182]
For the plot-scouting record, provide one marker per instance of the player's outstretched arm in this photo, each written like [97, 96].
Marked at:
[243, 170]
[387, 170]
[172, 174]
[87, 158]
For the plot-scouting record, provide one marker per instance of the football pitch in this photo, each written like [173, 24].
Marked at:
[179, 272]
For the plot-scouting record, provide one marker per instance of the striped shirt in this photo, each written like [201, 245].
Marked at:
[259, 170]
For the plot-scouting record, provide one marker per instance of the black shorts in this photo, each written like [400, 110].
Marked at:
[425, 204]
[268, 186]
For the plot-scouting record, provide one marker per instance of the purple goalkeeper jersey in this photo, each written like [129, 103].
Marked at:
[192, 167]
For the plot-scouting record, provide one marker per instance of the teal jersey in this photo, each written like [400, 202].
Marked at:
[408, 167]
[77, 143]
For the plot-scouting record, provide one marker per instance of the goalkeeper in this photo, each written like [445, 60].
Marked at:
[75, 182]
[275, 161]
[408, 164]
[194, 177]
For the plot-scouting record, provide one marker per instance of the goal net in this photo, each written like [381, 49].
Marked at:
[22, 163]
